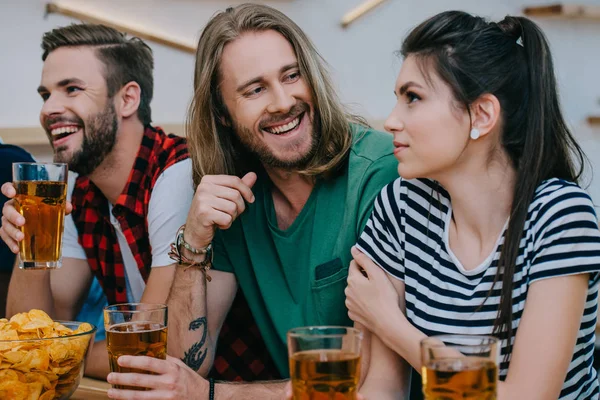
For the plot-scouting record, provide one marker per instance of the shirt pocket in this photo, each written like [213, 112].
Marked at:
[327, 288]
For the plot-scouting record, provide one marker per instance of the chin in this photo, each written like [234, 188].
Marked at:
[406, 173]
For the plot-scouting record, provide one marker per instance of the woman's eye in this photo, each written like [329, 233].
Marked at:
[411, 97]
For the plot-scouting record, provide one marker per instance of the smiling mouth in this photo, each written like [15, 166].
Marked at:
[283, 129]
[63, 132]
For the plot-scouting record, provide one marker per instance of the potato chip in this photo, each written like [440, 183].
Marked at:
[33, 369]
[49, 395]
[35, 359]
[42, 378]
[35, 390]
[14, 390]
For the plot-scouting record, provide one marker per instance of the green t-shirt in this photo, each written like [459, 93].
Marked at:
[296, 277]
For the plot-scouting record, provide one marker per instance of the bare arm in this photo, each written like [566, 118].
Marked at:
[546, 338]
[543, 345]
[388, 374]
[59, 292]
[198, 310]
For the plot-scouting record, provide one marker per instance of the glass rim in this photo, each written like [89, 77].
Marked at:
[90, 332]
[150, 307]
[440, 340]
[39, 163]
[304, 331]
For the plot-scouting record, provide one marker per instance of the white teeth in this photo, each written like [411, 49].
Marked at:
[64, 129]
[284, 128]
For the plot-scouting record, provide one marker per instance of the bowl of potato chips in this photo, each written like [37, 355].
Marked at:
[41, 359]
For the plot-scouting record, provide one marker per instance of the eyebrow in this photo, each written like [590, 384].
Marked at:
[63, 83]
[406, 86]
[260, 78]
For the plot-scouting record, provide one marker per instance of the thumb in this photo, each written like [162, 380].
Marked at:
[249, 179]
[68, 208]
[362, 259]
[8, 189]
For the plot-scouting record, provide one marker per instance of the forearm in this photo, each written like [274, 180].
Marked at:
[28, 290]
[403, 338]
[251, 391]
[188, 327]
[97, 361]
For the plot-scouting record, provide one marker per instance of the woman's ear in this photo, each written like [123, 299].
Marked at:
[485, 114]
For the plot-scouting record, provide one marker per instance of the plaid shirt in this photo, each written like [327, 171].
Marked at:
[241, 353]
[97, 235]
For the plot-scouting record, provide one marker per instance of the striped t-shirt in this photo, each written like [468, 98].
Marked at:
[407, 235]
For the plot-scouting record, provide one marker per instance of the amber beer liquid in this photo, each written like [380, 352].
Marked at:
[135, 339]
[42, 203]
[468, 378]
[325, 375]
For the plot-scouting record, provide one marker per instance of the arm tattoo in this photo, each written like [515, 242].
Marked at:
[195, 356]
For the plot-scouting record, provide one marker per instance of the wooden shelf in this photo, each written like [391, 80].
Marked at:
[593, 120]
[359, 11]
[136, 29]
[559, 10]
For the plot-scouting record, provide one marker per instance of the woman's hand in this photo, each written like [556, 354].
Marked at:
[371, 298]
[172, 379]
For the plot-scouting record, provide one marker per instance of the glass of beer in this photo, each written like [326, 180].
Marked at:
[461, 367]
[41, 199]
[324, 362]
[135, 329]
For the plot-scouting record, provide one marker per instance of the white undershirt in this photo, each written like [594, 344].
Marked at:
[169, 205]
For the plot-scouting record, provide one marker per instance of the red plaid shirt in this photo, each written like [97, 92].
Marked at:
[241, 353]
[97, 236]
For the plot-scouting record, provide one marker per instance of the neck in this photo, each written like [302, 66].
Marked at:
[290, 193]
[112, 174]
[481, 197]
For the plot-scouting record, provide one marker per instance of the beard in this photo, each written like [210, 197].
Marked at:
[99, 138]
[252, 144]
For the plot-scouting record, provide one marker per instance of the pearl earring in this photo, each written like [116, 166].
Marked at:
[474, 134]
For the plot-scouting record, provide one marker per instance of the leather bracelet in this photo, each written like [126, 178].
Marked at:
[176, 255]
[181, 242]
[211, 389]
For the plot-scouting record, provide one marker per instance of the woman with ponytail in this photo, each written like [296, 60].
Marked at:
[487, 231]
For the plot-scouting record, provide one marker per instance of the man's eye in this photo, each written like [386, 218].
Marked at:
[293, 76]
[45, 96]
[73, 89]
[256, 91]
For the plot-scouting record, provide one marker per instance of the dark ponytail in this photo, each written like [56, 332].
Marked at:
[511, 60]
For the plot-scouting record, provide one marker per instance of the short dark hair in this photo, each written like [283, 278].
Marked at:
[126, 59]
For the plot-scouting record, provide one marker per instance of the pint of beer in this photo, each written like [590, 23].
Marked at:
[460, 367]
[324, 362]
[41, 195]
[135, 329]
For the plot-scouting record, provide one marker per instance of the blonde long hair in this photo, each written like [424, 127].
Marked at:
[213, 146]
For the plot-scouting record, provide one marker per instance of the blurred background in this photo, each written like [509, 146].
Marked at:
[361, 56]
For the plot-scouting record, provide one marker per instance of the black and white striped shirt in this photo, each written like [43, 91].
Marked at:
[407, 235]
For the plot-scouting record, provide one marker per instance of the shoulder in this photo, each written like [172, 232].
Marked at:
[370, 144]
[10, 154]
[555, 195]
[176, 178]
[560, 203]
[414, 194]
